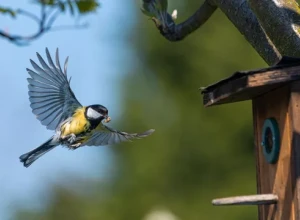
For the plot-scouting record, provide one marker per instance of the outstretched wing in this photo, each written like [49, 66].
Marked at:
[50, 95]
[104, 135]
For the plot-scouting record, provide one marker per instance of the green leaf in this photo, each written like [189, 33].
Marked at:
[85, 6]
[48, 2]
[8, 11]
[61, 6]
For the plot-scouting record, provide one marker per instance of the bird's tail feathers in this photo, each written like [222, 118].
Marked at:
[28, 158]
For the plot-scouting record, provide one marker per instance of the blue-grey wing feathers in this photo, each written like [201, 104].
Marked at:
[109, 136]
[50, 95]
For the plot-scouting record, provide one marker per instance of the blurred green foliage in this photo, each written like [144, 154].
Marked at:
[196, 154]
[8, 11]
[80, 6]
[83, 6]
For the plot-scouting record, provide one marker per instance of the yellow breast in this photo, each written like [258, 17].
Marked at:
[77, 125]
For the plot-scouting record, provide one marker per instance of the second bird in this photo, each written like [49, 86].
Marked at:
[55, 105]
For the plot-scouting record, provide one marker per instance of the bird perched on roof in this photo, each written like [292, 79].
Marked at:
[55, 105]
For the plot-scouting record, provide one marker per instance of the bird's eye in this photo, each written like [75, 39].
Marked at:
[103, 111]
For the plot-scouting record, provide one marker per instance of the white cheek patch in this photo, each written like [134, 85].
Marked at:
[91, 113]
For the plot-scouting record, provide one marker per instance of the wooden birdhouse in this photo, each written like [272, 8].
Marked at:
[275, 95]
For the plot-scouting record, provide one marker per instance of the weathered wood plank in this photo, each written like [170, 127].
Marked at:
[295, 141]
[263, 199]
[275, 178]
[247, 86]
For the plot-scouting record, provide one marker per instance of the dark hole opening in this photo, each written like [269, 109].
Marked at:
[269, 140]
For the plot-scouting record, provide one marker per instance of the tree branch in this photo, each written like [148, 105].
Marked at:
[240, 14]
[238, 11]
[68, 27]
[196, 20]
[280, 20]
[28, 14]
[52, 18]
[45, 21]
[167, 27]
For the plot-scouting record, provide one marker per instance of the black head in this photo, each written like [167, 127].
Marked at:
[96, 112]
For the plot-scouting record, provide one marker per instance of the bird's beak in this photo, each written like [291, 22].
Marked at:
[107, 119]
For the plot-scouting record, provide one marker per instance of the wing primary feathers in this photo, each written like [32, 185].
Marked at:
[43, 106]
[41, 84]
[57, 61]
[121, 138]
[58, 115]
[54, 118]
[41, 93]
[105, 141]
[41, 78]
[50, 61]
[48, 70]
[34, 88]
[104, 135]
[66, 65]
[47, 116]
[41, 113]
[54, 122]
[100, 137]
[50, 95]
[112, 138]
[146, 133]
[42, 96]
[38, 101]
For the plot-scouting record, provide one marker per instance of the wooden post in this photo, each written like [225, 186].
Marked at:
[275, 95]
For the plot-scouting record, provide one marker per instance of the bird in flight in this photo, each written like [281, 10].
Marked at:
[55, 105]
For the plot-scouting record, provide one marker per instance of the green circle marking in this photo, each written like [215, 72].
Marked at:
[271, 140]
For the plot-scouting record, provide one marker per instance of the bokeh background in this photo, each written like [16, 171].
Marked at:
[122, 62]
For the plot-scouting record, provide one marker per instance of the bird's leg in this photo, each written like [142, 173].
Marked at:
[71, 138]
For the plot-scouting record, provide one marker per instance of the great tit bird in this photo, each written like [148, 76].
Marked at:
[55, 105]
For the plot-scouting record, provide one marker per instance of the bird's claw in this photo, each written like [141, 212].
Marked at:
[71, 138]
[75, 145]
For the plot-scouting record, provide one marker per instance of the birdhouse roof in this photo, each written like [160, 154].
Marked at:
[245, 85]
